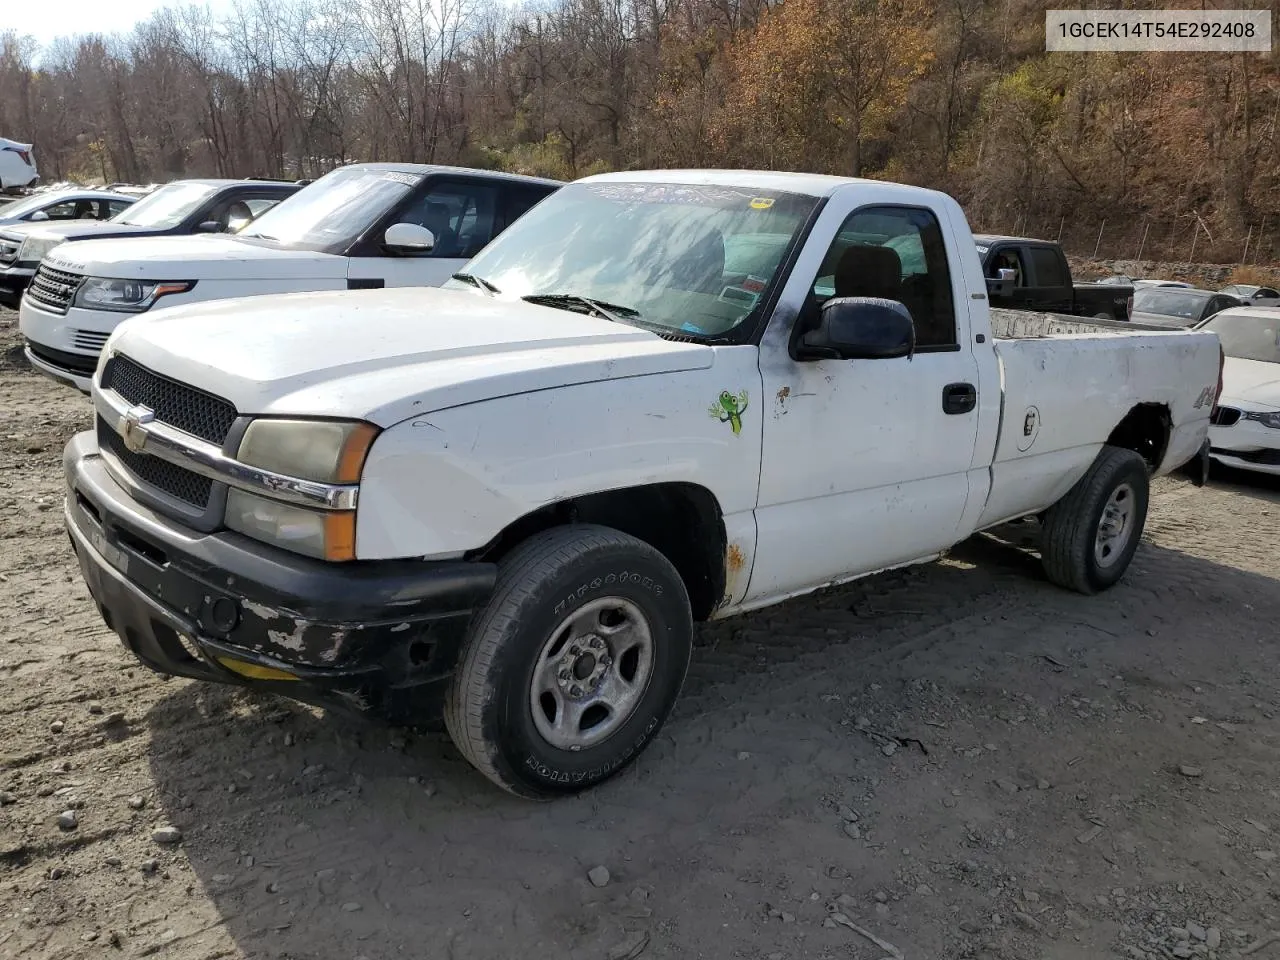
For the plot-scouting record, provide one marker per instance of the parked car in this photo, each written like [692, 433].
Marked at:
[359, 227]
[182, 207]
[17, 165]
[658, 397]
[75, 204]
[1038, 277]
[1252, 294]
[1178, 306]
[1162, 283]
[1245, 429]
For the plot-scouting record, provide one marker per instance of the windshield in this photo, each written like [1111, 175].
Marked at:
[675, 257]
[167, 207]
[335, 210]
[1170, 302]
[1247, 337]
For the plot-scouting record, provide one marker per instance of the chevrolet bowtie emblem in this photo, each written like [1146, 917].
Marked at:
[135, 427]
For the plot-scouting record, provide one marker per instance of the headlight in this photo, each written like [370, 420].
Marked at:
[126, 296]
[324, 451]
[327, 451]
[1266, 419]
[34, 248]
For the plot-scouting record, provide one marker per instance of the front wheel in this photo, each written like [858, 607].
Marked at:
[573, 665]
[1092, 533]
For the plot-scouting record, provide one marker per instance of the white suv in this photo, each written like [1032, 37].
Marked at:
[360, 227]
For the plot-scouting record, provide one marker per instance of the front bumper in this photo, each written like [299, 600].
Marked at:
[66, 346]
[1247, 445]
[13, 281]
[378, 638]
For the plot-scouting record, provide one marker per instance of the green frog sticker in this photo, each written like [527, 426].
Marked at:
[729, 409]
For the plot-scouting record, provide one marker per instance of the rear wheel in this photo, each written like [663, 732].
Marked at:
[573, 665]
[1092, 533]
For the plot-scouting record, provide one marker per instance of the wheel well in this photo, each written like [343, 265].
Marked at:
[680, 520]
[1145, 430]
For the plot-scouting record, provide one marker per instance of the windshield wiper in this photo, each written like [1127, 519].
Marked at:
[475, 281]
[259, 236]
[601, 308]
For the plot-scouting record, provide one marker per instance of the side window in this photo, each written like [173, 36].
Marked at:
[517, 201]
[1049, 271]
[1007, 259]
[62, 211]
[116, 206]
[260, 205]
[896, 253]
[460, 215]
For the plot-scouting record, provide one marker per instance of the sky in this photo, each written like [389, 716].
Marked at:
[48, 19]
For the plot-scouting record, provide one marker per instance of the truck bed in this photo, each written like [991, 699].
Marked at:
[1009, 324]
[1067, 383]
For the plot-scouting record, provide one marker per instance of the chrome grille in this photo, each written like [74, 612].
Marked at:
[54, 289]
[177, 482]
[93, 340]
[193, 411]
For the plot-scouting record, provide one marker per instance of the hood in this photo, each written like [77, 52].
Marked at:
[201, 257]
[77, 229]
[1251, 382]
[387, 355]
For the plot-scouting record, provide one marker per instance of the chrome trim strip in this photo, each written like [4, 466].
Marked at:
[200, 456]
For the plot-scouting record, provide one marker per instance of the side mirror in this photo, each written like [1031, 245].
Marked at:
[209, 226]
[408, 238]
[39, 215]
[860, 328]
[1001, 286]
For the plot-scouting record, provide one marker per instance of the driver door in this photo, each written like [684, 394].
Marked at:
[865, 463]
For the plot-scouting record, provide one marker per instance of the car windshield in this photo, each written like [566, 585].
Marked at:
[1170, 302]
[674, 257]
[1247, 336]
[21, 208]
[167, 207]
[335, 210]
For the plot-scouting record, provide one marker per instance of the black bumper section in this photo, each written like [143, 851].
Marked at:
[11, 290]
[378, 637]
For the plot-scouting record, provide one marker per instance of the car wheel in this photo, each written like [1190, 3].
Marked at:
[1092, 533]
[574, 664]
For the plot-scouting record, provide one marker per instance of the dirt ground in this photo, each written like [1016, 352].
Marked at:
[958, 760]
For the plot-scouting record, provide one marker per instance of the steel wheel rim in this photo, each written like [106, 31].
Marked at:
[1115, 526]
[591, 674]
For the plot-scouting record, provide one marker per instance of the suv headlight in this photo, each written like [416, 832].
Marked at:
[1266, 419]
[323, 451]
[34, 248]
[126, 296]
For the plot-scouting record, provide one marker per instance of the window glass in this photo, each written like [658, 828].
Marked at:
[896, 253]
[459, 215]
[694, 259]
[1049, 272]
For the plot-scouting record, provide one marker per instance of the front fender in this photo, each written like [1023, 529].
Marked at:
[441, 484]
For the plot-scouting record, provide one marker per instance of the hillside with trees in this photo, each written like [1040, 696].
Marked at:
[1144, 151]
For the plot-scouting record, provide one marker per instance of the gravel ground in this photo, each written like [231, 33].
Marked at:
[953, 761]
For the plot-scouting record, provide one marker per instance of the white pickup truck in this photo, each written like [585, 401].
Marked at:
[362, 226]
[658, 398]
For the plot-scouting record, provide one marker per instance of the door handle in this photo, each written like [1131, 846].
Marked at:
[959, 398]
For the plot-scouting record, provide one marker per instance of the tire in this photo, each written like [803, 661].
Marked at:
[582, 587]
[1076, 551]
